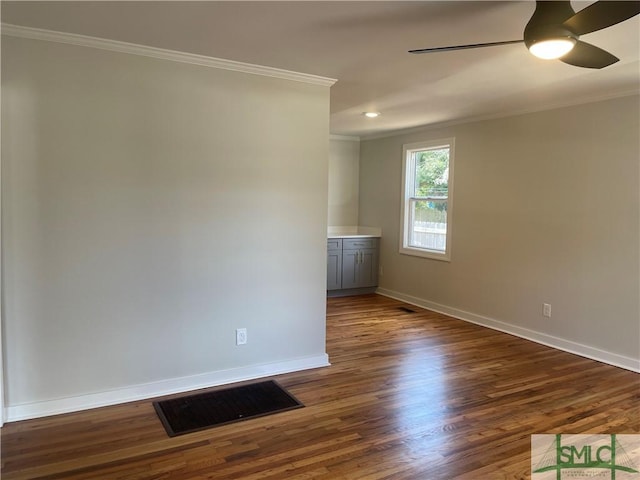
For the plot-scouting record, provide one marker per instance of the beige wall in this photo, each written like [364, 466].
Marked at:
[344, 161]
[546, 209]
[150, 208]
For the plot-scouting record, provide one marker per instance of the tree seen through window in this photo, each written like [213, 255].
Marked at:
[432, 181]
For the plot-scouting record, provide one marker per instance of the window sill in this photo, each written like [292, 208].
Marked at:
[424, 253]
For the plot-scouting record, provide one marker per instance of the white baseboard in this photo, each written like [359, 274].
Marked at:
[593, 353]
[157, 389]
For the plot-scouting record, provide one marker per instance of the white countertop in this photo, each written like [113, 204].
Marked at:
[353, 232]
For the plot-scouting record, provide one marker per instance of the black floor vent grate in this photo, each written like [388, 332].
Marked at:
[211, 409]
[407, 309]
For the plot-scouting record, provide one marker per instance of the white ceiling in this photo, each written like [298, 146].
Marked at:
[364, 45]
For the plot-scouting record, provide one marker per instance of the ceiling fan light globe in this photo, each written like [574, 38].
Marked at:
[552, 48]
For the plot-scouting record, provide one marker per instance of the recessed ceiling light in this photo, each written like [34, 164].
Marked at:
[371, 114]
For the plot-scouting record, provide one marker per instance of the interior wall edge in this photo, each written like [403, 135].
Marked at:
[558, 343]
[165, 387]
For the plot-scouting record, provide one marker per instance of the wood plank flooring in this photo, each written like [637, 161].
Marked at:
[409, 395]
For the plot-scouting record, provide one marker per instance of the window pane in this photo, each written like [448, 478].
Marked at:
[431, 173]
[428, 224]
[426, 206]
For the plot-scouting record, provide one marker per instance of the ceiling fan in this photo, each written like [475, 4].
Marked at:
[554, 32]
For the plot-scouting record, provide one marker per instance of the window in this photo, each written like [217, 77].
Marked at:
[427, 202]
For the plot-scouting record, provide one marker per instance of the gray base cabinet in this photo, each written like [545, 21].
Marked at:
[352, 264]
[334, 264]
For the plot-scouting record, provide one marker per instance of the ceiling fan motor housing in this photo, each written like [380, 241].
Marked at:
[547, 23]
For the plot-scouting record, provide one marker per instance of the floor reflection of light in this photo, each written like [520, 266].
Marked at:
[419, 407]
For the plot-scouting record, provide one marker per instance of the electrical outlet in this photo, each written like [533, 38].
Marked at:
[380, 273]
[546, 310]
[241, 336]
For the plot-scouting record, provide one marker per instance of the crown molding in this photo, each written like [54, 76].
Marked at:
[346, 138]
[543, 107]
[161, 53]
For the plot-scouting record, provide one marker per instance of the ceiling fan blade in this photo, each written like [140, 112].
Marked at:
[601, 15]
[588, 56]
[463, 47]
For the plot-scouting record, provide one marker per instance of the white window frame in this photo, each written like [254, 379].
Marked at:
[408, 182]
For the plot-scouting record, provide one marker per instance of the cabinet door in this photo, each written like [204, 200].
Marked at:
[334, 270]
[350, 268]
[360, 268]
[367, 270]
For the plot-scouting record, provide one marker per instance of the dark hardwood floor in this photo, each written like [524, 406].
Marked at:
[409, 395]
